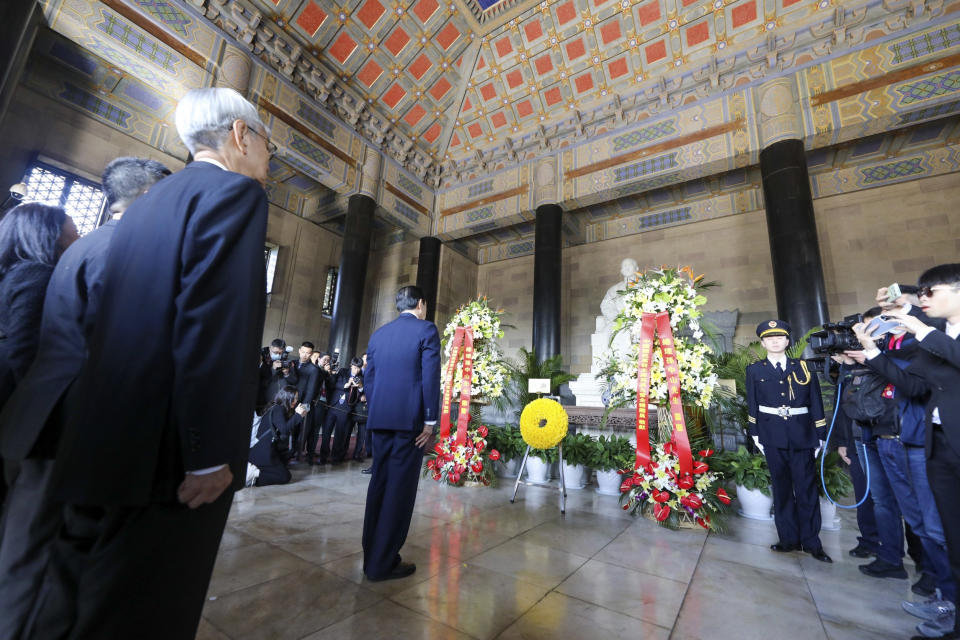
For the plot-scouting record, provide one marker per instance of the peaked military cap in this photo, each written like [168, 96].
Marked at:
[773, 328]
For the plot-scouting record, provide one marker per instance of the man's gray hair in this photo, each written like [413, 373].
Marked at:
[204, 117]
[126, 179]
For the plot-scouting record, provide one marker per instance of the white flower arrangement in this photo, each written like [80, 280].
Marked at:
[675, 292]
[489, 372]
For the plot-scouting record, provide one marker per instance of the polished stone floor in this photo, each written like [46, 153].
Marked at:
[290, 567]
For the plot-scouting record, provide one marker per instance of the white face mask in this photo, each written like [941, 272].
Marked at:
[275, 356]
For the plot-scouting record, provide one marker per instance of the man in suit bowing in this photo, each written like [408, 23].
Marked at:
[402, 385]
[148, 463]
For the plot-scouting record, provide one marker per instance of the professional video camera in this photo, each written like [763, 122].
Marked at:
[837, 337]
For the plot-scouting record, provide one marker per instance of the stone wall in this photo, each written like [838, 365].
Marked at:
[387, 270]
[36, 125]
[889, 234]
[456, 285]
[306, 253]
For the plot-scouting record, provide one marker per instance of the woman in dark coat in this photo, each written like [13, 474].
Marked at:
[33, 236]
[271, 452]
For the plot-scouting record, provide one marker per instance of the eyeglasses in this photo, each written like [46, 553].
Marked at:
[271, 147]
[927, 292]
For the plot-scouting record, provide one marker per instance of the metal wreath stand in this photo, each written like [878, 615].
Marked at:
[523, 465]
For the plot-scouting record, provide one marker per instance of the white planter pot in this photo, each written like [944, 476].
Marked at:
[508, 468]
[608, 483]
[828, 516]
[574, 476]
[754, 504]
[538, 471]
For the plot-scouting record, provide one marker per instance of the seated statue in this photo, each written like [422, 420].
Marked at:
[610, 307]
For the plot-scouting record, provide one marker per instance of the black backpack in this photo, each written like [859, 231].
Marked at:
[863, 399]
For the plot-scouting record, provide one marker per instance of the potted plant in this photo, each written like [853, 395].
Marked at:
[538, 464]
[576, 455]
[838, 486]
[607, 457]
[511, 446]
[750, 474]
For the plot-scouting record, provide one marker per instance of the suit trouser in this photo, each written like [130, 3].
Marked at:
[311, 433]
[390, 499]
[130, 572]
[943, 473]
[796, 504]
[31, 519]
[866, 521]
[339, 423]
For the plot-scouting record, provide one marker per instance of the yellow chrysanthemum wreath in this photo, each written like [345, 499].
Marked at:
[543, 423]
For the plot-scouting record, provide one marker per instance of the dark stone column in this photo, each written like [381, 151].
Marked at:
[794, 247]
[348, 301]
[428, 272]
[547, 271]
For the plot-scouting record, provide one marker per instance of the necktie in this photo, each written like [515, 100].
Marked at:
[779, 367]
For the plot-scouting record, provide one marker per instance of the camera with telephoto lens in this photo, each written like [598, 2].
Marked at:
[837, 337]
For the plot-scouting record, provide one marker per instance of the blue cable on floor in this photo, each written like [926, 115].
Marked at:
[823, 460]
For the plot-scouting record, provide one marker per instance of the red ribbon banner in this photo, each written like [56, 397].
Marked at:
[660, 323]
[462, 345]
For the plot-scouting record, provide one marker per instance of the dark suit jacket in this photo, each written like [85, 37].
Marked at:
[402, 379]
[21, 306]
[170, 383]
[935, 370]
[308, 381]
[767, 387]
[69, 314]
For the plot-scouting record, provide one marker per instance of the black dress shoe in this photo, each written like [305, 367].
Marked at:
[782, 547]
[367, 471]
[881, 569]
[818, 554]
[953, 635]
[861, 551]
[925, 586]
[402, 570]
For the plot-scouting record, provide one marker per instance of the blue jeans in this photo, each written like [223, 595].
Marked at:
[906, 470]
[889, 523]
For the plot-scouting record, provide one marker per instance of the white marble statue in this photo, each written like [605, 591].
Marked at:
[587, 387]
[610, 307]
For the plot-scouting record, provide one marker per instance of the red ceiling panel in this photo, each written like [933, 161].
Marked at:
[425, 9]
[394, 95]
[440, 88]
[370, 73]
[420, 66]
[311, 18]
[397, 41]
[342, 47]
[369, 12]
[415, 115]
[447, 36]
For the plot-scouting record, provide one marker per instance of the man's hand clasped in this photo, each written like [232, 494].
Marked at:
[196, 490]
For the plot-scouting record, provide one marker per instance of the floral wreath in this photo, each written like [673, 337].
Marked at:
[679, 293]
[675, 500]
[455, 464]
[543, 423]
[489, 372]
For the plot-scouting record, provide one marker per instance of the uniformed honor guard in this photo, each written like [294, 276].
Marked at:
[787, 424]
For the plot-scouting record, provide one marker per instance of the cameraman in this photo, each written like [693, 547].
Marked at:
[276, 370]
[926, 371]
[346, 393]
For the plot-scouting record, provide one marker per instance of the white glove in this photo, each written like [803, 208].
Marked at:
[816, 451]
[756, 441]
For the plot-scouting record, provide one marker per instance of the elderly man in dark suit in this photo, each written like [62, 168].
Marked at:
[31, 420]
[149, 461]
[402, 385]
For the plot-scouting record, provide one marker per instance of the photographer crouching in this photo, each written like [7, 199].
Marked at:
[931, 375]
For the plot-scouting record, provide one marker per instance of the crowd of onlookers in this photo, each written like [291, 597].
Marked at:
[308, 408]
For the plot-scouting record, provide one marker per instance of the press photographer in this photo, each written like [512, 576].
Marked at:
[276, 371]
[925, 370]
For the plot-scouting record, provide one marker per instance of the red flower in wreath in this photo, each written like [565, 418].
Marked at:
[686, 482]
[660, 496]
[703, 522]
[668, 448]
[477, 467]
[692, 501]
[480, 446]
[494, 455]
[700, 467]
[625, 486]
[661, 512]
[482, 430]
[431, 464]
[706, 453]
[438, 448]
[722, 496]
